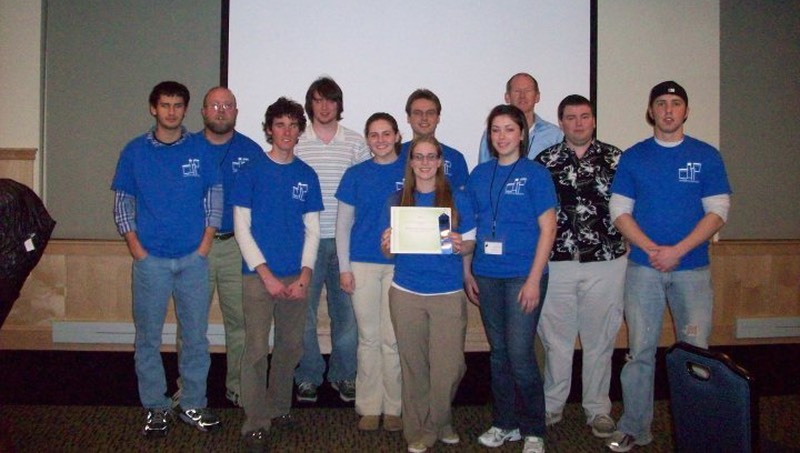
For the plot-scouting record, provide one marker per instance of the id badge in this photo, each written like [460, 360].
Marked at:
[493, 247]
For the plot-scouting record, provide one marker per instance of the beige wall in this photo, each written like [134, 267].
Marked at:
[642, 43]
[20, 76]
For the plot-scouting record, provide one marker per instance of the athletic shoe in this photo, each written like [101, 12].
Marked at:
[201, 418]
[533, 444]
[496, 437]
[157, 423]
[417, 447]
[450, 439]
[346, 389]
[622, 442]
[551, 419]
[603, 426]
[255, 441]
[307, 392]
[233, 397]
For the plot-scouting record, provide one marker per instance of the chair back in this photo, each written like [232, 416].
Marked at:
[711, 401]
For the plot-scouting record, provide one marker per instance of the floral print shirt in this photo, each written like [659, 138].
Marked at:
[585, 232]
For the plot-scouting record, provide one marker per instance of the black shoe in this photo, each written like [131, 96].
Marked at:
[255, 441]
[286, 421]
[307, 392]
[157, 423]
[346, 389]
[202, 419]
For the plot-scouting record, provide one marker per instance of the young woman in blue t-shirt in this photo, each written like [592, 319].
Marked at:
[515, 213]
[366, 274]
[428, 305]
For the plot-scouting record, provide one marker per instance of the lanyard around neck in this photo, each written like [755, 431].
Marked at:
[495, 207]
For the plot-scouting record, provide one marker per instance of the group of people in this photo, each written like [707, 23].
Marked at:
[554, 234]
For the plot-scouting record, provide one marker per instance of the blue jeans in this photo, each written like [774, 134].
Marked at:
[344, 333]
[517, 387]
[154, 281]
[647, 292]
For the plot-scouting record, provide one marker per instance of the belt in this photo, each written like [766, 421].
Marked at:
[223, 236]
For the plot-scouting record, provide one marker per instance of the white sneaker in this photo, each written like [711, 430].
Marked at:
[603, 426]
[533, 444]
[496, 437]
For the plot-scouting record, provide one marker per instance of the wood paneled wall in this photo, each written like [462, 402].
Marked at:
[17, 164]
[90, 281]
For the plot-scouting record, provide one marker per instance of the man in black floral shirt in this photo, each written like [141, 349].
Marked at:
[587, 268]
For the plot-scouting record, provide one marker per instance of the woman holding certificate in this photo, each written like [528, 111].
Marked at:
[366, 274]
[427, 300]
[515, 214]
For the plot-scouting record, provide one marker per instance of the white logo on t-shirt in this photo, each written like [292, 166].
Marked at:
[299, 191]
[690, 172]
[191, 169]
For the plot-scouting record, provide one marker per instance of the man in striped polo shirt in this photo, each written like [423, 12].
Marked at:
[330, 149]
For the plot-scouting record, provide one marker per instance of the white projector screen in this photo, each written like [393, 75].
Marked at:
[379, 52]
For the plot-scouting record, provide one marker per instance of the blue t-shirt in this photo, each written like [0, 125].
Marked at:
[230, 157]
[366, 187]
[455, 166]
[169, 183]
[278, 195]
[512, 197]
[667, 186]
[431, 274]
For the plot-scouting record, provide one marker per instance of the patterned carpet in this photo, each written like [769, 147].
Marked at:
[79, 401]
[41, 429]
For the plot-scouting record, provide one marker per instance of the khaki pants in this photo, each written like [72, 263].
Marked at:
[430, 333]
[262, 404]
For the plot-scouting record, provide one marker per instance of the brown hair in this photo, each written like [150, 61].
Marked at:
[443, 196]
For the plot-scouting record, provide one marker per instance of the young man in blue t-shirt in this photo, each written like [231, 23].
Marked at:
[669, 197]
[168, 205]
[277, 200]
[424, 110]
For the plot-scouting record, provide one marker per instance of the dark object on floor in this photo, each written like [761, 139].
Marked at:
[25, 229]
[711, 401]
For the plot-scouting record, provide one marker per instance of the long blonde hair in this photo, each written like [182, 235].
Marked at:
[443, 194]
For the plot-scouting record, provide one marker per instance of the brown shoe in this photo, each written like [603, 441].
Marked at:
[369, 422]
[392, 423]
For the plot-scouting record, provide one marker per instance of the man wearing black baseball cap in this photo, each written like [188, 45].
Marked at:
[669, 197]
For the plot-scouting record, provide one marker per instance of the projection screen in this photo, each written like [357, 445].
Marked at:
[379, 52]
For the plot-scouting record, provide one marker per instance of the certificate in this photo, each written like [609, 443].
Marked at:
[421, 230]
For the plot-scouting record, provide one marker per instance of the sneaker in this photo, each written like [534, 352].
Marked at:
[620, 441]
[450, 439]
[603, 426]
[233, 397]
[496, 437]
[157, 422]
[417, 447]
[533, 444]
[392, 423]
[201, 418]
[255, 441]
[369, 422]
[307, 392]
[552, 418]
[346, 389]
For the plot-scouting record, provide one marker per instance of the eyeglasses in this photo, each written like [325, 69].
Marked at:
[424, 157]
[221, 107]
[423, 114]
